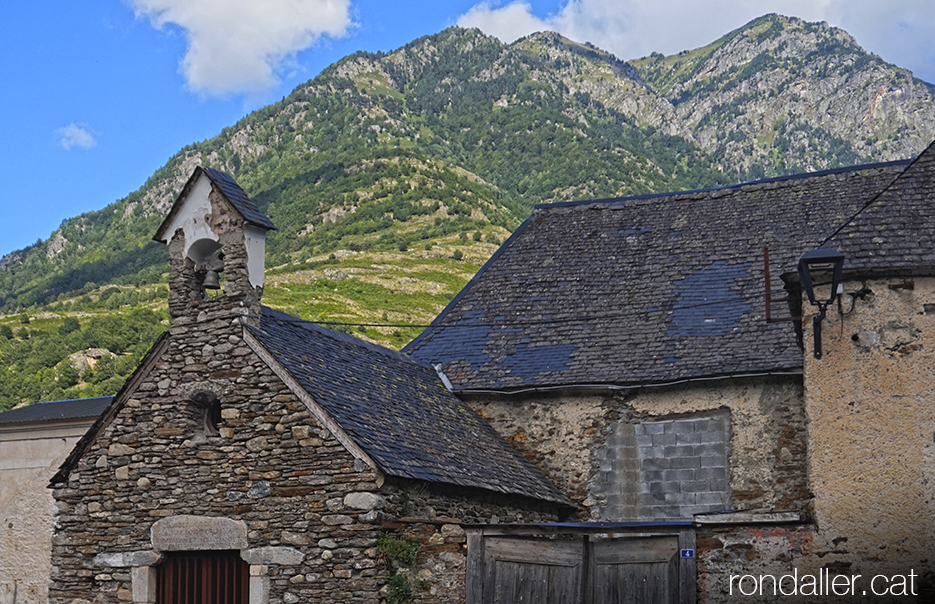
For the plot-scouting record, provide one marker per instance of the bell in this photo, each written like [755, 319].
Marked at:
[212, 280]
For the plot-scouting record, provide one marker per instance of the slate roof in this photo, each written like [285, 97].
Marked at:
[237, 197]
[398, 411]
[895, 232]
[644, 290]
[57, 410]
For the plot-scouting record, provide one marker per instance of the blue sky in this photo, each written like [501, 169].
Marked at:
[98, 95]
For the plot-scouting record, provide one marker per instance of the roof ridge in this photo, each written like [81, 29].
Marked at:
[775, 179]
[78, 408]
[66, 400]
[880, 196]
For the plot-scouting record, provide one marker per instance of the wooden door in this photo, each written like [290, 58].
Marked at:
[533, 571]
[203, 578]
[638, 570]
[629, 570]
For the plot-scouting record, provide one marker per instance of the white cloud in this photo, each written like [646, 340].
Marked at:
[898, 30]
[236, 46]
[76, 136]
[507, 23]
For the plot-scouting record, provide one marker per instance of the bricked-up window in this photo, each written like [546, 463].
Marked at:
[209, 577]
[684, 464]
[665, 468]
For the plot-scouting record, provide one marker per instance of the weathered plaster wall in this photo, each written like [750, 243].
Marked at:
[871, 410]
[767, 451]
[556, 434]
[772, 551]
[577, 440]
[29, 456]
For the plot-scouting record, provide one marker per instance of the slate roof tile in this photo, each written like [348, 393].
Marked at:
[238, 198]
[57, 410]
[398, 411]
[604, 292]
[896, 230]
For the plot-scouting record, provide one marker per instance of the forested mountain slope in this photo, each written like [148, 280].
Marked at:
[393, 176]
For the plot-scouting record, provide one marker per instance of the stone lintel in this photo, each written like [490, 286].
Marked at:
[185, 533]
[128, 559]
[261, 556]
[748, 518]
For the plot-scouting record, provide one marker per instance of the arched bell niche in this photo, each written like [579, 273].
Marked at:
[208, 259]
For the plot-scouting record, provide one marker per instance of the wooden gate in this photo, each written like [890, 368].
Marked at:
[553, 564]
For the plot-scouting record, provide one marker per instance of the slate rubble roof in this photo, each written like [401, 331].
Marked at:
[57, 410]
[237, 197]
[644, 290]
[398, 411]
[895, 232]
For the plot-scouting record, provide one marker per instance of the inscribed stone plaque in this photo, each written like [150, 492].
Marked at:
[187, 533]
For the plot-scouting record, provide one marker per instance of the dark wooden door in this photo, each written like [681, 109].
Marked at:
[640, 570]
[533, 571]
[630, 570]
[208, 577]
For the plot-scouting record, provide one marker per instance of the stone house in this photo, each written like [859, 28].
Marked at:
[34, 441]
[256, 457]
[651, 357]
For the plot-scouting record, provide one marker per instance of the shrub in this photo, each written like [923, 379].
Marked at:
[404, 550]
[399, 589]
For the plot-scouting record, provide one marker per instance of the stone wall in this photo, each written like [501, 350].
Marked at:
[603, 451]
[871, 410]
[261, 476]
[269, 465]
[728, 553]
[431, 516]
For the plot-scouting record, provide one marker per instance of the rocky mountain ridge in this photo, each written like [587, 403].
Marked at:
[393, 176]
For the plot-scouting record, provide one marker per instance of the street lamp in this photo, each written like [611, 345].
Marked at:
[818, 267]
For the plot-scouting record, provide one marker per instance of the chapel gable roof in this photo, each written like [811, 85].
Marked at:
[231, 191]
[643, 290]
[398, 411]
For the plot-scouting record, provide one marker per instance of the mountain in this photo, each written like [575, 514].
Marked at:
[782, 96]
[393, 176]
